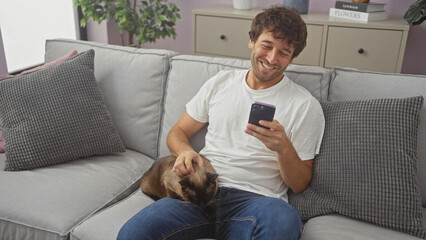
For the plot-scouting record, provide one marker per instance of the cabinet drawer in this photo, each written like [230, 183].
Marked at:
[312, 52]
[366, 49]
[222, 36]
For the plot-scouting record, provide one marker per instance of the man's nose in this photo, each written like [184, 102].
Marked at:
[273, 57]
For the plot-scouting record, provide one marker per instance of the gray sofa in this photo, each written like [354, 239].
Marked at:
[146, 92]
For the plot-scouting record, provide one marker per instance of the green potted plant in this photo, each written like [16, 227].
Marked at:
[416, 13]
[145, 21]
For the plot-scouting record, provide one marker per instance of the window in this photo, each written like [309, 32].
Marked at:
[26, 24]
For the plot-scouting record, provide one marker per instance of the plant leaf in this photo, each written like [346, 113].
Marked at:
[416, 13]
[162, 18]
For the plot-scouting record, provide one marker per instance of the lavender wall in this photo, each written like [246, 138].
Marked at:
[183, 43]
[415, 52]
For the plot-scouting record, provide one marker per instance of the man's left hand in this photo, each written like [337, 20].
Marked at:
[274, 138]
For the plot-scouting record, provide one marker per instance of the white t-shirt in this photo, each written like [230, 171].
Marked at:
[241, 160]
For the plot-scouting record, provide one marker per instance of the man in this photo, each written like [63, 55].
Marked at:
[256, 165]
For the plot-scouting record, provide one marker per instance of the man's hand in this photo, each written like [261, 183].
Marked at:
[297, 174]
[178, 143]
[274, 138]
[183, 165]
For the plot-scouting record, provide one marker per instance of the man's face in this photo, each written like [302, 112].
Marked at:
[270, 57]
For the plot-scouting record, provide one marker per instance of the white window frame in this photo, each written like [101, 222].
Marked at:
[27, 24]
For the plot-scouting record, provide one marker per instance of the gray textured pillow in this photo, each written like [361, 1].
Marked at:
[366, 168]
[55, 115]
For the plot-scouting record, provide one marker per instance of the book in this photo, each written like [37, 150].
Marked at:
[358, 16]
[360, 7]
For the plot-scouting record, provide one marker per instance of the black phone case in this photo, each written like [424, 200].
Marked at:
[261, 111]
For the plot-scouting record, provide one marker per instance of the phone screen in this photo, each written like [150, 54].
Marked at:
[261, 111]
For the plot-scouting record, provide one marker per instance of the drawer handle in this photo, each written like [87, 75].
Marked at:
[361, 51]
[223, 37]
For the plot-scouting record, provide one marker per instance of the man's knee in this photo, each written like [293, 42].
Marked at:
[284, 212]
[280, 218]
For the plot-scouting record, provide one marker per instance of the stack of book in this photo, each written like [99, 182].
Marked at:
[363, 12]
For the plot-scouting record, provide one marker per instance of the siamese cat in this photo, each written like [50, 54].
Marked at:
[198, 188]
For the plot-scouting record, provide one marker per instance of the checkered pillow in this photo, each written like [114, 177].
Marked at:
[57, 61]
[55, 115]
[366, 168]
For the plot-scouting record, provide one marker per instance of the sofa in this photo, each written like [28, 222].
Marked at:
[145, 92]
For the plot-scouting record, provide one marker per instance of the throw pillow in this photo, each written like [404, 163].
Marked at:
[5, 76]
[366, 168]
[55, 115]
[1, 142]
[57, 61]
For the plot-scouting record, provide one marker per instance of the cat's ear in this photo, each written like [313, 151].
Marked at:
[185, 182]
[212, 177]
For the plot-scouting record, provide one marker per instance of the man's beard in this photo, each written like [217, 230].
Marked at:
[257, 71]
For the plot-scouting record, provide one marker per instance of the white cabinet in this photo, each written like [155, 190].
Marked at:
[222, 36]
[368, 49]
[377, 46]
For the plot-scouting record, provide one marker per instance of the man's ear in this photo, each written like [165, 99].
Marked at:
[251, 44]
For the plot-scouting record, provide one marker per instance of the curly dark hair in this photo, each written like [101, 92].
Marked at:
[284, 23]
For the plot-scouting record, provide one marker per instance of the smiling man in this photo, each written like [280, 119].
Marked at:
[256, 165]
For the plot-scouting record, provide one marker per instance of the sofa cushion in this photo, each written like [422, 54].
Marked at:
[338, 227]
[55, 115]
[315, 79]
[47, 203]
[366, 168]
[132, 81]
[351, 84]
[111, 219]
[187, 75]
[183, 84]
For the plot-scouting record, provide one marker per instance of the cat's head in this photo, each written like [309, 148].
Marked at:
[200, 188]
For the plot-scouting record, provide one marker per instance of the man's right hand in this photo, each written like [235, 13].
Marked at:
[178, 143]
[183, 165]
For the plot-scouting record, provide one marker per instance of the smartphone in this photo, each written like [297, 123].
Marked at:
[261, 111]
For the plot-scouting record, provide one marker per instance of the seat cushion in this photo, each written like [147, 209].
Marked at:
[106, 224]
[338, 227]
[48, 202]
[111, 219]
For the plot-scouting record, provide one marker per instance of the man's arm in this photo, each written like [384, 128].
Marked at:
[179, 146]
[296, 174]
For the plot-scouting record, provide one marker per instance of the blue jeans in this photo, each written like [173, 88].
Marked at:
[240, 215]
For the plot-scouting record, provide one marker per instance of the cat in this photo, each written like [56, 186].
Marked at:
[198, 188]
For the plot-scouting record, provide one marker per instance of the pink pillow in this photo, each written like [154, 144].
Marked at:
[57, 61]
[5, 76]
